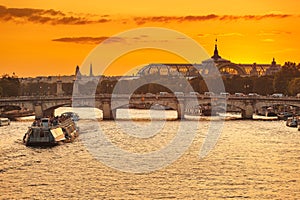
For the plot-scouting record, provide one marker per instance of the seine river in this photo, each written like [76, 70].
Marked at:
[252, 159]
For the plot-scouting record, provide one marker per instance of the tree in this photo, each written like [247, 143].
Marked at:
[239, 84]
[67, 88]
[106, 86]
[282, 78]
[294, 86]
[10, 85]
[263, 85]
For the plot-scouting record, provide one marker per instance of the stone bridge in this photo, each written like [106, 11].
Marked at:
[45, 105]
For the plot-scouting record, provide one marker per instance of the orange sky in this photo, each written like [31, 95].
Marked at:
[52, 37]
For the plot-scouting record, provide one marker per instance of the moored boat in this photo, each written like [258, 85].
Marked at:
[292, 122]
[4, 121]
[284, 115]
[74, 116]
[14, 114]
[46, 132]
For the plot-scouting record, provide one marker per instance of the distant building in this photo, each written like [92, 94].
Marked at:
[63, 79]
[91, 70]
[170, 69]
[273, 68]
[225, 67]
[48, 79]
[206, 67]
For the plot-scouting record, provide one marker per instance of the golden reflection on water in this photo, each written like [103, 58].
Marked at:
[252, 159]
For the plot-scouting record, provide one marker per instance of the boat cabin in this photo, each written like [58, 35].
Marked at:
[4, 122]
[45, 122]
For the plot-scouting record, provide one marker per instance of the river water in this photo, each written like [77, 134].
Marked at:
[252, 159]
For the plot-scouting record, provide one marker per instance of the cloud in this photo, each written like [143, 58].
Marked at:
[55, 17]
[41, 16]
[221, 34]
[204, 35]
[168, 19]
[272, 33]
[230, 34]
[254, 17]
[267, 40]
[282, 51]
[89, 40]
[191, 18]
[111, 40]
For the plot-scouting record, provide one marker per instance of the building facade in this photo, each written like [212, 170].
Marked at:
[207, 67]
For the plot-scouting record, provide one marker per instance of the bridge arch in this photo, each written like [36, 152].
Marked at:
[146, 105]
[238, 106]
[10, 107]
[50, 110]
[246, 107]
[141, 102]
[262, 106]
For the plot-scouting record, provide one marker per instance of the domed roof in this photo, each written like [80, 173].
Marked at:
[216, 57]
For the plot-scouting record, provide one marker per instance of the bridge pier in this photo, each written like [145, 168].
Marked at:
[75, 88]
[108, 113]
[38, 110]
[180, 110]
[59, 90]
[247, 113]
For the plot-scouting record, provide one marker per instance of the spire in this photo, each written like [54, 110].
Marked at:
[91, 70]
[77, 72]
[216, 55]
[273, 62]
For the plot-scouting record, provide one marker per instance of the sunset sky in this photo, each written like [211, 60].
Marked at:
[52, 37]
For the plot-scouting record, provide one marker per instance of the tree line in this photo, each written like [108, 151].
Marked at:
[285, 81]
[9, 85]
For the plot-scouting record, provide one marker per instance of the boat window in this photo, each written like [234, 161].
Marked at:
[46, 134]
[70, 128]
[36, 133]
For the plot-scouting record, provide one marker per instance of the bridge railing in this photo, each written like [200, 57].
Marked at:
[148, 95]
